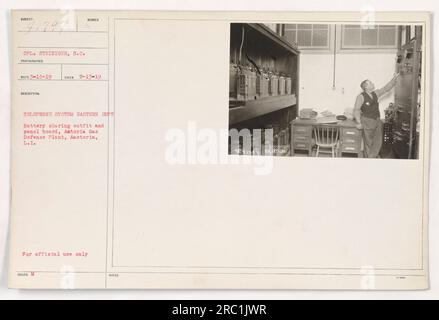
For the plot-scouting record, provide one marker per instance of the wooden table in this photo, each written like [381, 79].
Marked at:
[350, 136]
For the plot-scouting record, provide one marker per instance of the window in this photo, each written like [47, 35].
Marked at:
[308, 36]
[372, 37]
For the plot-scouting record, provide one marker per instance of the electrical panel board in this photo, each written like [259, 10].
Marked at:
[407, 97]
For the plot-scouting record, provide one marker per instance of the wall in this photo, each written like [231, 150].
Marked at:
[316, 74]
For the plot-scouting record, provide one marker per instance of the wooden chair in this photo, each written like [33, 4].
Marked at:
[326, 139]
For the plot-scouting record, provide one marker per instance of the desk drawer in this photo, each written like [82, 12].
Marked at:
[301, 138]
[301, 145]
[303, 130]
[350, 132]
[350, 147]
[351, 140]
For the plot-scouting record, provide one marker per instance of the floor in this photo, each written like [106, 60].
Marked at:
[386, 152]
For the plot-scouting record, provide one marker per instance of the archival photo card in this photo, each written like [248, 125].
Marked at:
[219, 150]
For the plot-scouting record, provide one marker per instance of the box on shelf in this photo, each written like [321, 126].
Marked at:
[287, 85]
[281, 85]
[273, 88]
[246, 84]
[262, 85]
[233, 76]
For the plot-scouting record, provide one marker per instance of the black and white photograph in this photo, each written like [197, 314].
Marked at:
[325, 90]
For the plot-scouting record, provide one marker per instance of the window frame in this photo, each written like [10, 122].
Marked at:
[314, 49]
[367, 48]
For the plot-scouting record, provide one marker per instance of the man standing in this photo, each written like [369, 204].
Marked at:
[367, 115]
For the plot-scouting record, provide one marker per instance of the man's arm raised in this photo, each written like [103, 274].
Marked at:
[387, 87]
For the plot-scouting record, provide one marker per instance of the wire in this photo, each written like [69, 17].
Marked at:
[253, 63]
[246, 55]
[242, 43]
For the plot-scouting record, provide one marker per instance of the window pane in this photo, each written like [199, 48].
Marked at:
[320, 38]
[369, 37]
[290, 36]
[352, 37]
[290, 26]
[352, 26]
[387, 36]
[304, 26]
[320, 26]
[304, 38]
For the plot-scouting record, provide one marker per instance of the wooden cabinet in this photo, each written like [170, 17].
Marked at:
[302, 138]
[350, 140]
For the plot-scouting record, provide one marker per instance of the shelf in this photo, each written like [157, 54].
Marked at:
[256, 108]
[270, 34]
